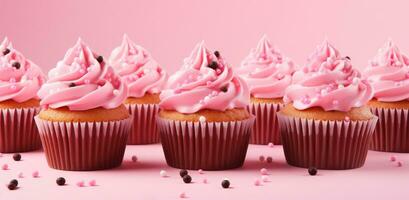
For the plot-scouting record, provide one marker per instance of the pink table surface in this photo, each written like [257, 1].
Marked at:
[378, 179]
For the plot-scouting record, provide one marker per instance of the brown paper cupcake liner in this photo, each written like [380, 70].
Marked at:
[84, 146]
[265, 129]
[325, 144]
[392, 130]
[205, 145]
[144, 128]
[18, 131]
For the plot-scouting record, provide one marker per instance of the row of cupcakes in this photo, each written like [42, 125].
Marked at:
[204, 119]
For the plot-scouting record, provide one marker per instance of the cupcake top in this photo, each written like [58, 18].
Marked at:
[20, 78]
[388, 73]
[266, 71]
[205, 81]
[328, 81]
[82, 81]
[137, 69]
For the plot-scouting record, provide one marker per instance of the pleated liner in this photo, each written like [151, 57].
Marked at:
[144, 129]
[265, 129]
[325, 144]
[205, 145]
[84, 146]
[18, 132]
[392, 131]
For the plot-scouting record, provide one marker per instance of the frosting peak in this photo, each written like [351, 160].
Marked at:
[82, 81]
[137, 69]
[388, 72]
[266, 71]
[205, 81]
[328, 81]
[20, 78]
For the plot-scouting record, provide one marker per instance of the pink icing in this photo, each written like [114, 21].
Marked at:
[137, 69]
[266, 71]
[388, 73]
[20, 78]
[80, 82]
[204, 82]
[328, 81]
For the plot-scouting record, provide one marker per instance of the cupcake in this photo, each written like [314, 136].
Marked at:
[203, 121]
[388, 72]
[145, 79]
[267, 73]
[20, 79]
[325, 122]
[84, 124]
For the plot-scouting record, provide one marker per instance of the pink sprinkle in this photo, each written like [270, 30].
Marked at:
[263, 171]
[257, 182]
[306, 100]
[399, 164]
[182, 195]
[271, 145]
[36, 174]
[134, 158]
[20, 175]
[80, 183]
[264, 178]
[261, 158]
[200, 171]
[92, 183]
[5, 167]
[269, 159]
[163, 173]
[205, 181]
[347, 119]
[393, 158]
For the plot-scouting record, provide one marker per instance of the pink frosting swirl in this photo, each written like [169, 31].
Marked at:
[388, 73]
[20, 78]
[328, 81]
[205, 81]
[266, 71]
[82, 81]
[137, 69]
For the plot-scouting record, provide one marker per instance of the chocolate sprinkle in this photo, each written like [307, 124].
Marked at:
[6, 51]
[60, 181]
[17, 157]
[312, 171]
[72, 85]
[14, 182]
[347, 57]
[183, 172]
[11, 186]
[100, 59]
[16, 65]
[187, 179]
[217, 54]
[223, 89]
[225, 183]
[213, 65]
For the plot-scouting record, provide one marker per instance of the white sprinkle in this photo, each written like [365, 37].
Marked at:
[340, 86]
[163, 173]
[202, 119]
[116, 92]
[355, 81]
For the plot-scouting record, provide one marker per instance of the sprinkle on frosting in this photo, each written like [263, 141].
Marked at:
[328, 81]
[20, 78]
[388, 72]
[196, 86]
[137, 69]
[266, 71]
[80, 82]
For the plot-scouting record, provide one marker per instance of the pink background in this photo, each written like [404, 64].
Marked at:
[44, 29]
